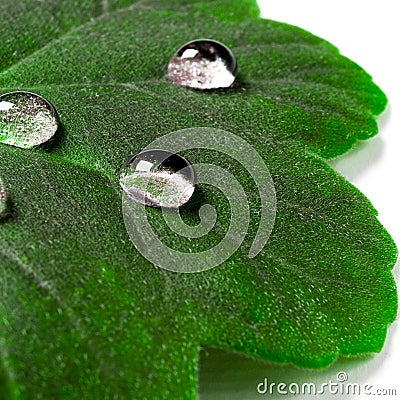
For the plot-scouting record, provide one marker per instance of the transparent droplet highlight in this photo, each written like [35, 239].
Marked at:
[158, 178]
[26, 119]
[203, 64]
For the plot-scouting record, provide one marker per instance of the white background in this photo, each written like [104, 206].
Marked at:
[368, 32]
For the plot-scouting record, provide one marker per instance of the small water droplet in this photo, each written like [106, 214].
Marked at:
[158, 178]
[203, 64]
[4, 204]
[26, 119]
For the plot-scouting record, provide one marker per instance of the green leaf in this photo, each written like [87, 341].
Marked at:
[28, 26]
[84, 315]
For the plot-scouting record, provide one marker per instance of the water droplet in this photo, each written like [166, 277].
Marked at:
[158, 178]
[203, 64]
[4, 204]
[26, 119]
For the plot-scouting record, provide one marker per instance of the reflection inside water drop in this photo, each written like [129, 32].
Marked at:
[26, 119]
[202, 64]
[158, 178]
[5, 105]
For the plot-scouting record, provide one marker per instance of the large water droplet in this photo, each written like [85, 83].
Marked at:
[158, 178]
[203, 64]
[26, 119]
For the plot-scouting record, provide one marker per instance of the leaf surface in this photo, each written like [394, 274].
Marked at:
[84, 315]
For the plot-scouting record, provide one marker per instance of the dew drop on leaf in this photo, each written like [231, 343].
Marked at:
[4, 203]
[26, 119]
[158, 178]
[202, 64]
